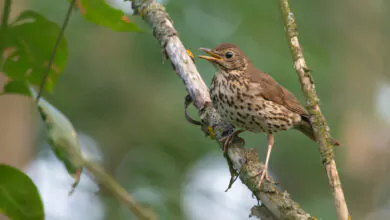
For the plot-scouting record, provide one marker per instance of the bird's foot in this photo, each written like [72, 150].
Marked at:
[264, 176]
[228, 139]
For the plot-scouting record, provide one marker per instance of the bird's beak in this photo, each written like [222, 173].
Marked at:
[213, 56]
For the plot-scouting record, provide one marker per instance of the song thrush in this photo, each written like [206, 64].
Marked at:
[252, 100]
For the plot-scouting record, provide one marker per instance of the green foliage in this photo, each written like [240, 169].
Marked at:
[20, 199]
[62, 137]
[27, 44]
[99, 12]
[17, 87]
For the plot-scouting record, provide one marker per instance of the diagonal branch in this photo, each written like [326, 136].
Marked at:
[244, 162]
[321, 129]
[102, 177]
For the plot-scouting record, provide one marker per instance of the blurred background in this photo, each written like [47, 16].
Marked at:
[128, 108]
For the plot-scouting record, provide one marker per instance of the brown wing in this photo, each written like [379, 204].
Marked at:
[272, 91]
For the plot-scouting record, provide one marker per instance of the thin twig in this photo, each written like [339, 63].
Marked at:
[245, 162]
[321, 130]
[65, 144]
[53, 54]
[6, 12]
[104, 179]
[101, 176]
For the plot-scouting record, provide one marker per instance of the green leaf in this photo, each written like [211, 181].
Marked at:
[62, 138]
[27, 46]
[101, 13]
[19, 197]
[17, 87]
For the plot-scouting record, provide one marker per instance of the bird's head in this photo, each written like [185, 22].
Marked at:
[226, 57]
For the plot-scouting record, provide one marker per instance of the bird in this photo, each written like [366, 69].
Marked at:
[251, 100]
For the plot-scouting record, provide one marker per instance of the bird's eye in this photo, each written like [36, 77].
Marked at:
[229, 54]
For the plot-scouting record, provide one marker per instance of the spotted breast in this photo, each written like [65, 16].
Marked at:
[239, 104]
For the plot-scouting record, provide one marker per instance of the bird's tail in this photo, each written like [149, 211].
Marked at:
[306, 128]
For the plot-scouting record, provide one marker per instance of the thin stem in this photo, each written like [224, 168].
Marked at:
[6, 12]
[60, 36]
[118, 191]
[320, 127]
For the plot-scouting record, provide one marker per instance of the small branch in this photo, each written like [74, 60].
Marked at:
[246, 163]
[118, 191]
[6, 12]
[109, 183]
[53, 54]
[321, 130]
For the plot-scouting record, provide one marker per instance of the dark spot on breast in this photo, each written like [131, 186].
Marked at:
[283, 119]
[241, 107]
[231, 87]
[240, 121]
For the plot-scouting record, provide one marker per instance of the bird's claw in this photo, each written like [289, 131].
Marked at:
[264, 176]
[229, 139]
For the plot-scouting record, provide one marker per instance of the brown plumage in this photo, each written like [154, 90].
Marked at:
[251, 99]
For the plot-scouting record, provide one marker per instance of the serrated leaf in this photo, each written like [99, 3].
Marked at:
[17, 87]
[62, 137]
[27, 46]
[19, 197]
[101, 13]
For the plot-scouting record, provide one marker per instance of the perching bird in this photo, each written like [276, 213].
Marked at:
[252, 100]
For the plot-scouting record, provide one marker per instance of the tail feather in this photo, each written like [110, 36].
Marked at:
[306, 128]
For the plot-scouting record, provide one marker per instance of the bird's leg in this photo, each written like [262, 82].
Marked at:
[228, 139]
[264, 171]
